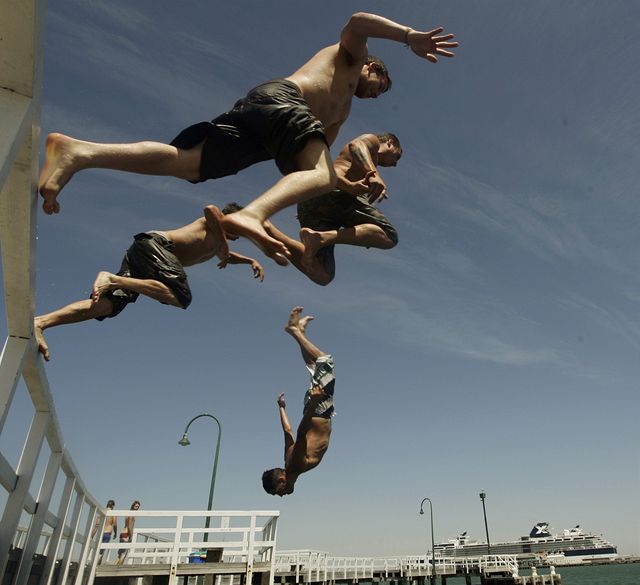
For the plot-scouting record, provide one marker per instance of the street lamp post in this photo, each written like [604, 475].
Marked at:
[433, 542]
[486, 527]
[185, 443]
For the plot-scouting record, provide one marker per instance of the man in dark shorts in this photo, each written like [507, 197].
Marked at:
[293, 120]
[306, 450]
[152, 266]
[346, 215]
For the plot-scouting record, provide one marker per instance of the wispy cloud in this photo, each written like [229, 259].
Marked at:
[610, 317]
[542, 225]
[170, 87]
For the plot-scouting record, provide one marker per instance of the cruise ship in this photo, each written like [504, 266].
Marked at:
[573, 547]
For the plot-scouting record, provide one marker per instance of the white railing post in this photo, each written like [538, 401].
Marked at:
[84, 554]
[70, 541]
[272, 536]
[56, 537]
[98, 551]
[175, 553]
[37, 522]
[15, 502]
[250, 549]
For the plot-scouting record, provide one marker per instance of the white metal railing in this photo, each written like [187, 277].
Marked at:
[165, 537]
[306, 565]
[385, 566]
[498, 563]
[319, 567]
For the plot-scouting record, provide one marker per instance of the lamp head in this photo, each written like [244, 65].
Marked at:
[185, 442]
[421, 510]
[482, 495]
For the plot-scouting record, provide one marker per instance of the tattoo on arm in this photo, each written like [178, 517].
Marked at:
[360, 153]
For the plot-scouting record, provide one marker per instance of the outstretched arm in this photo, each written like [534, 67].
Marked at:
[362, 25]
[235, 258]
[286, 426]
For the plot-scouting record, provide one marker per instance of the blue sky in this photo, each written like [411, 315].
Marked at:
[496, 347]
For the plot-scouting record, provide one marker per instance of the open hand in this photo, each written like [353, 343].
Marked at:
[428, 45]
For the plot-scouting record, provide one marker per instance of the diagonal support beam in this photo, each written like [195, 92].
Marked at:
[11, 364]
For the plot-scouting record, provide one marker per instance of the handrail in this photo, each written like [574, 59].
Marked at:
[319, 566]
[246, 537]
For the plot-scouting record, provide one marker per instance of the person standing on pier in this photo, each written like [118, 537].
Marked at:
[306, 450]
[110, 527]
[127, 533]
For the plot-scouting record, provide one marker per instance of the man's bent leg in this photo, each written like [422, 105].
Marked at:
[315, 177]
[105, 282]
[366, 235]
[74, 313]
[65, 156]
[316, 270]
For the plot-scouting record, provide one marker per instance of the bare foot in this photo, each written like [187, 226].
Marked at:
[59, 166]
[295, 323]
[43, 348]
[312, 241]
[102, 284]
[247, 225]
[214, 218]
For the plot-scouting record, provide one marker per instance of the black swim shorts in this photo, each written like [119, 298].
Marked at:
[336, 210]
[150, 257]
[272, 122]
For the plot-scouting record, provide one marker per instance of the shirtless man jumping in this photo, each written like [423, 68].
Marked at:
[152, 266]
[312, 439]
[346, 215]
[293, 120]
